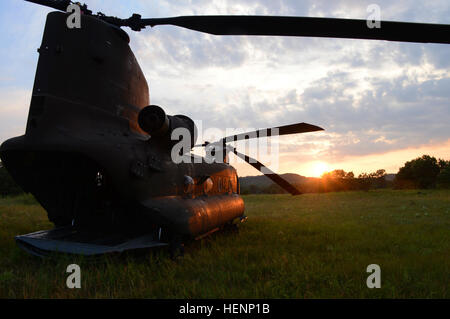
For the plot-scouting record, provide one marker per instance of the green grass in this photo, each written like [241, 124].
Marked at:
[309, 246]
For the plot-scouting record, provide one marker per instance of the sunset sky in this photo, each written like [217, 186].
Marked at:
[381, 103]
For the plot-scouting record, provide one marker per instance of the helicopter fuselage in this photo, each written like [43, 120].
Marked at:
[84, 156]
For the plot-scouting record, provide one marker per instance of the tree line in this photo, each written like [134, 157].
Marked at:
[334, 181]
[7, 185]
[423, 172]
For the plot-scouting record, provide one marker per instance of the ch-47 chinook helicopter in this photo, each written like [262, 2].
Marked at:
[97, 155]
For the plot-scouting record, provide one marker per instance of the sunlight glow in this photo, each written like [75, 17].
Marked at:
[319, 168]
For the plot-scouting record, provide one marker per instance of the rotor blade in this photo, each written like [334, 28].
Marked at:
[55, 4]
[274, 131]
[273, 176]
[308, 27]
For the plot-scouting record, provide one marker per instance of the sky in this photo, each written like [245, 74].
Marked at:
[381, 103]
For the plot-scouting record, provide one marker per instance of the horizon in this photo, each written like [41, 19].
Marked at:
[302, 175]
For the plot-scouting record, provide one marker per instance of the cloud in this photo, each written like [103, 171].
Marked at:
[371, 97]
[13, 112]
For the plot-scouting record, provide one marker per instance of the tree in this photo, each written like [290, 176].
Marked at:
[7, 185]
[421, 172]
[274, 189]
[337, 173]
[443, 179]
[443, 164]
[339, 180]
[376, 179]
[363, 175]
[381, 173]
[253, 189]
[349, 175]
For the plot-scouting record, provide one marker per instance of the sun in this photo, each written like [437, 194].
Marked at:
[319, 168]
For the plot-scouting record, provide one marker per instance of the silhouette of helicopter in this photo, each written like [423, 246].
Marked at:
[99, 158]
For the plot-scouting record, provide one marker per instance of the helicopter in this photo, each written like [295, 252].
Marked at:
[98, 156]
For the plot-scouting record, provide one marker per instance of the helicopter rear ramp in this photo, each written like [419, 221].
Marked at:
[82, 242]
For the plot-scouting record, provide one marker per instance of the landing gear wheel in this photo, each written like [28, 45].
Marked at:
[231, 228]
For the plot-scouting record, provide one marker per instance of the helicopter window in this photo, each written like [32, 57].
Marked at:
[207, 185]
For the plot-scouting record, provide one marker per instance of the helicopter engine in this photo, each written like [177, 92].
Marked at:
[154, 120]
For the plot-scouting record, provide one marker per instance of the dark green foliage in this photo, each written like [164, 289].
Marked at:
[335, 181]
[443, 179]
[7, 185]
[443, 164]
[274, 189]
[421, 172]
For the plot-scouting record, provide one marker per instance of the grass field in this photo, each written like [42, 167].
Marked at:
[309, 246]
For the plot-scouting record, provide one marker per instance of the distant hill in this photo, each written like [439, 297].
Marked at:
[389, 177]
[263, 185]
[264, 181]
